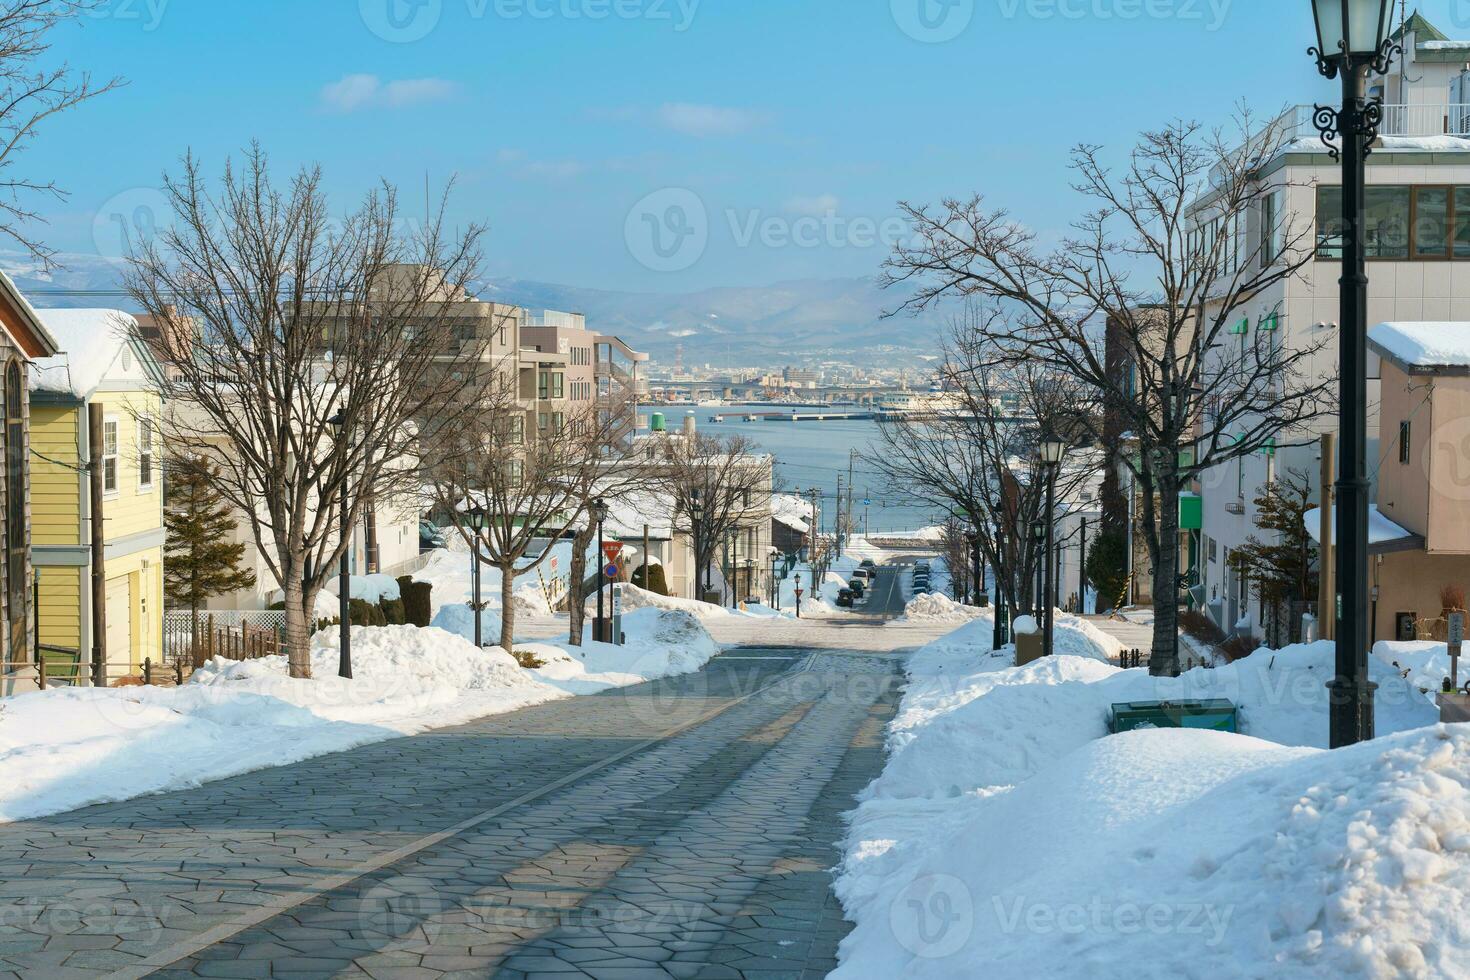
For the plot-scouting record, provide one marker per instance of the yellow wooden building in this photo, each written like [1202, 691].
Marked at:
[104, 363]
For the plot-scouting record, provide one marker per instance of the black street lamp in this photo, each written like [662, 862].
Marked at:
[1352, 41]
[1038, 547]
[798, 595]
[749, 577]
[1052, 451]
[344, 572]
[1002, 611]
[478, 519]
[696, 514]
[597, 511]
[775, 584]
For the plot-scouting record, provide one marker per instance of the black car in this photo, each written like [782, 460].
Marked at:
[845, 598]
[869, 563]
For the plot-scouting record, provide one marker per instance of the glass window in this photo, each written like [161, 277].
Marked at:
[1462, 222]
[1270, 218]
[1404, 443]
[1329, 222]
[1431, 222]
[109, 455]
[145, 454]
[1386, 233]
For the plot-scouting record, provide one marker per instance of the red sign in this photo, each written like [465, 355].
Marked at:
[612, 550]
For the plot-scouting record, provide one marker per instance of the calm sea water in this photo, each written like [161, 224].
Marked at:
[816, 454]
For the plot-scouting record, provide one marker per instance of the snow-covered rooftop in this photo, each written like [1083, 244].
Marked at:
[1381, 530]
[1423, 344]
[90, 342]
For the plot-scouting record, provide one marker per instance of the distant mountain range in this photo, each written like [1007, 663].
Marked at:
[798, 322]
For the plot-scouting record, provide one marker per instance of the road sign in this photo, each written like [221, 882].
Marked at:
[611, 571]
[612, 550]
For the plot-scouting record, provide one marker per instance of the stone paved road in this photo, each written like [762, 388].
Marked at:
[677, 829]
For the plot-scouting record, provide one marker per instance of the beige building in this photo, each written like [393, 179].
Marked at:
[1420, 529]
[1418, 244]
[594, 369]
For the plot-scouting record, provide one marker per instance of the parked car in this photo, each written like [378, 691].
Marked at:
[861, 575]
[858, 587]
[430, 537]
[869, 564]
[845, 598]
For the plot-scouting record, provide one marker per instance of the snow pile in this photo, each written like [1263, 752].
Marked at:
[1425, 663]
[1009, 836]
[636, 598]
[70, 747]
[936, 607]
[1185, 853]
[369, 588]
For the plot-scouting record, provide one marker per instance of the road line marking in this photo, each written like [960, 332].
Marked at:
[284, 903]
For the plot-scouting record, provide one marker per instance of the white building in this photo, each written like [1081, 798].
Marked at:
[1418, 240]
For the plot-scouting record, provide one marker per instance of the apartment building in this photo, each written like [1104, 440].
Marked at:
[1418, 240]
[576, 368]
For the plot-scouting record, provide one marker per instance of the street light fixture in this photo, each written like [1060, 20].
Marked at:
[1002, 633]
[696, 515]
[1052, 451]
[749, 577]
[478, 518]
[344, 573]
[1352, 41]
[597, 511]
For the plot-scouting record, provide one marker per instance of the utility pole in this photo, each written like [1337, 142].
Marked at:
[1082, 571]
[837, 526]
[1326, 614]
[851, 458]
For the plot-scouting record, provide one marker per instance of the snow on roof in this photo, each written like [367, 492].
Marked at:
[1381, 530]
[793, 511]
[90, 342]
[627, 515]
[1424, 344]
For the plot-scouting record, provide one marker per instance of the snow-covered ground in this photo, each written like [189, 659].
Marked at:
[1010, 836]
[65, 748]
[1425, 663]
[937, 607]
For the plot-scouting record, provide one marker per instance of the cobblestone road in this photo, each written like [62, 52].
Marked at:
[678, 829]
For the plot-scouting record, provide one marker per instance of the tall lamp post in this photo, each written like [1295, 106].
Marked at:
[1038, 547]
[1002, 611]
[775, 585]
[478, 519]
[344, 572]
[749, 577]
[696, 514]
[1052, 450]
[1352, 41]
[597, 511]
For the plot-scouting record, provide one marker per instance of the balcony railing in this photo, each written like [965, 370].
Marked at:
[1444, 119]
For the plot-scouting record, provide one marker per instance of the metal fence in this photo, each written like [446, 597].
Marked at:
[233, 637]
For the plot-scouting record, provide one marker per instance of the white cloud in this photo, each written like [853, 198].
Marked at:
[522, 166]
[708, 120]
[817, 207]
[352, 93]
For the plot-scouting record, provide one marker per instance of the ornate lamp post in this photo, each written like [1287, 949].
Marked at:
[775, 585]
[798, 595]
[597, 511]
[1002, 611]
[478, 519]
[344, 573]
[696, 514]
[1052, 451]
[1352, 41]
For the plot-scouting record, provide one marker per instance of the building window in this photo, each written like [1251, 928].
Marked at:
[1422, 223]
[109, 455]
[1270, 228]
[145, 454]
[517, 430]
[543, 420]
[558, 421]
[543, 385]
[1404, 443]
[558, 382]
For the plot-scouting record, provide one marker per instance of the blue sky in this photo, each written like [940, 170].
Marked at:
[761, 140]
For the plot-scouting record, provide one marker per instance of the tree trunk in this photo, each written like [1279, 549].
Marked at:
[298, 626]
[577, 591]
[1165, 660]
[507, 606]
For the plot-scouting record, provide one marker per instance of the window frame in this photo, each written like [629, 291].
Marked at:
[114, 457]
[1454, 208]
[1406, 435]
[147, 453]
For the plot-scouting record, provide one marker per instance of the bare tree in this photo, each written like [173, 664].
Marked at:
[513, 482]
[29, 95]
[981, 463]
[720, 480]
[305, 358]
[1163, 265]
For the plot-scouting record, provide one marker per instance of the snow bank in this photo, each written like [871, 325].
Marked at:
[1007, 812]
[935, 607]
[1424, 663]
[636, 598]
[1177, 853]
[65, 748]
